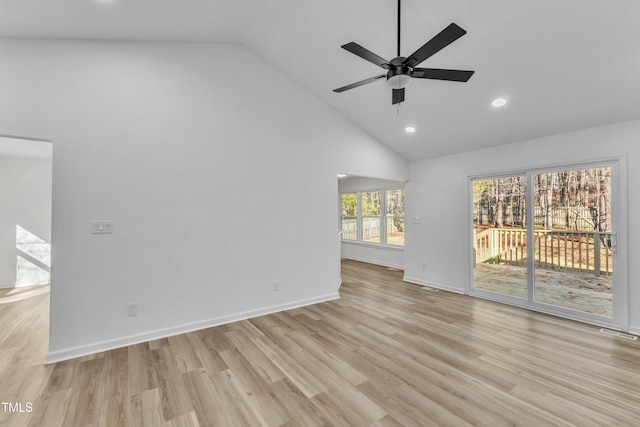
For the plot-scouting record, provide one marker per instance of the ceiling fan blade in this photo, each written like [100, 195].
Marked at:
[439, 74]
[363, 53]
[397, 96]
[438, 42]
[360, 83]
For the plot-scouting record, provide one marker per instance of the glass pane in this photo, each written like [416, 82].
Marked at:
[349, 228]
[395, 203]
[371, 209]
[349, 221]
[349, 204]
[371, 229]
[395, 231]
[371, 203]
[572, 238]
[500, 235]
[395, 216]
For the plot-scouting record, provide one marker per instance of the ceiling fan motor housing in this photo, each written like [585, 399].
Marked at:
[399, 75]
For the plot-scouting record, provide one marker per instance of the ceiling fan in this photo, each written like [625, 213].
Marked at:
[402, 70]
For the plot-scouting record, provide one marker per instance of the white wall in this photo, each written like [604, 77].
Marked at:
[438, 192]
[190, 149]
[367, 252]
[379, 255]
[25, 197]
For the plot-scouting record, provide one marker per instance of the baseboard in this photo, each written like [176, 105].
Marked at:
[97, 347]
[635, 330]
[433, 285]
[375, 262]
[8, 285]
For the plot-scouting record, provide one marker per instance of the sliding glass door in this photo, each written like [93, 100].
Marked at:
[545, 239]
[573, 234]
[500, 235]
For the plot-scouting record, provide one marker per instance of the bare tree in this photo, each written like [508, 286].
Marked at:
[522, 200]
[604, 201]
[583, 189]
[563, 180]
[499, 203]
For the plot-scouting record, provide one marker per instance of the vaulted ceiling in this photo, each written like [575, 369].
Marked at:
[561, 65]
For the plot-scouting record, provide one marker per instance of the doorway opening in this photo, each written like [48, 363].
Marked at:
[25, 225]
[371, 220]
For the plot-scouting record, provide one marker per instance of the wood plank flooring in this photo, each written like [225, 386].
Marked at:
[387, 353]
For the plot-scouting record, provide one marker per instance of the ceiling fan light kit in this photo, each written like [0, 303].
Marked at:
[399, 77]
[401, 70]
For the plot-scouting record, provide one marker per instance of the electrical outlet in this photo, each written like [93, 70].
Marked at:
[132, 309]
[276, 286]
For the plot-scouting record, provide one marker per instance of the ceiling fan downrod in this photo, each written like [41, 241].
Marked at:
[398, 28]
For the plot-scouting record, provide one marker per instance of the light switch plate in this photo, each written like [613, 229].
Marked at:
[132, 309]
[101, 227]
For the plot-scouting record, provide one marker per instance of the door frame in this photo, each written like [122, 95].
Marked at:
[620, 319]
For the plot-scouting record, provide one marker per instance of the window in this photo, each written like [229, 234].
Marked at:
[375, 216]
[371, 216]
[395, 217]
[349, 218]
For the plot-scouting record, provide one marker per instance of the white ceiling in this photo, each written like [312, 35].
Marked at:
[562, 65]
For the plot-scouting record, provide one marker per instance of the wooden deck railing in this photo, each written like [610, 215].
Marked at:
[560, 250]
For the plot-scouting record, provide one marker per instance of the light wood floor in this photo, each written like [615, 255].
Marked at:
[387, 353]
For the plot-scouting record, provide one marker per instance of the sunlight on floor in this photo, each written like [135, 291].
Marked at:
[19, 294]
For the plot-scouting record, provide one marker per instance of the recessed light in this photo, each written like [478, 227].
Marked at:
[410, 129]
[499, 102]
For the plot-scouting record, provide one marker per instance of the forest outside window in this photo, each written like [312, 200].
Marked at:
[375, 217]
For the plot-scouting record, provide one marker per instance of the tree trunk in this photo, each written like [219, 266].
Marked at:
[563, 177]
[604, 201]
[522, 201]
[549, 203]
[583, 190]
[500, 204]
